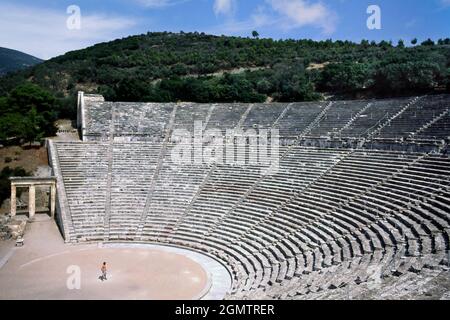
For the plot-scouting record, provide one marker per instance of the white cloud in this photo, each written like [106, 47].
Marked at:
[44, 33]
[300, 13]
[284, 15]
[223, 6]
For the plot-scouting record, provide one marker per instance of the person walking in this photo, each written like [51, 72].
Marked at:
[103, 269]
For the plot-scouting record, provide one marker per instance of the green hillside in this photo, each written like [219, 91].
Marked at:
[13, 60]
[205, 68]
[166, 67]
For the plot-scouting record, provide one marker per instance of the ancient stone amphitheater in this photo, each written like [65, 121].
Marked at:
[360, 205]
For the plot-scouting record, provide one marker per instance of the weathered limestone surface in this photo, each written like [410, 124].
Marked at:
[32, 183]
[367, 217]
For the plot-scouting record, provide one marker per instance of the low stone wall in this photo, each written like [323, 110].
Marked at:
[11, 228]
[60, 193]
[3, 230]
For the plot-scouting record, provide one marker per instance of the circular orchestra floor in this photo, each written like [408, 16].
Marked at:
[46, 268]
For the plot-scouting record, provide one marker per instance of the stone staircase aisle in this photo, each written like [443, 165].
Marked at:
[161, 157]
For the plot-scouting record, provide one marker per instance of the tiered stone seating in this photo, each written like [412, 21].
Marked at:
[354, 279]
[318, 227]
[339, 114]
[313, 236]
[415, 117]
[264, 116]
[141, 119]
[188, 113]
[298, 169]
[225, 187]
[437, 130]
[174, 189]
[368, 237]
[133, 167]
[323, 209]
[98, 120]
[378, 112]
[84, 170]
[298, 117]
[226, 116]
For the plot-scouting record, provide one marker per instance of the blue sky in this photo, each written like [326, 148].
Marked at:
[40, 27]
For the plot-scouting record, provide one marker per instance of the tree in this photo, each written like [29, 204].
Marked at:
[407, 77]
[414, 41]
[445, 41]
[32, 130]
[27, 113]
[67, 107]
[255, 34]
[365, 43]
[447, 80]
[12, 126]
[132, 90]
[292, 83]
[385, 44]
[24, 97]
[133, 69]
[264, 86]
[3, 105]
[428, 42]
[401, 44]
[344, 77]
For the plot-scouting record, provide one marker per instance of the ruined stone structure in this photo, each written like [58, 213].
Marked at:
[408, 124]
[360, 205]
[31, 183]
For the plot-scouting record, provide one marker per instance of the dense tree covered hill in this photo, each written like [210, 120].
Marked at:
[13, 60]
[205, 68]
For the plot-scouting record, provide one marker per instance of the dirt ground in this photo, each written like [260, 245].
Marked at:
[66, 131]
[29, 158]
